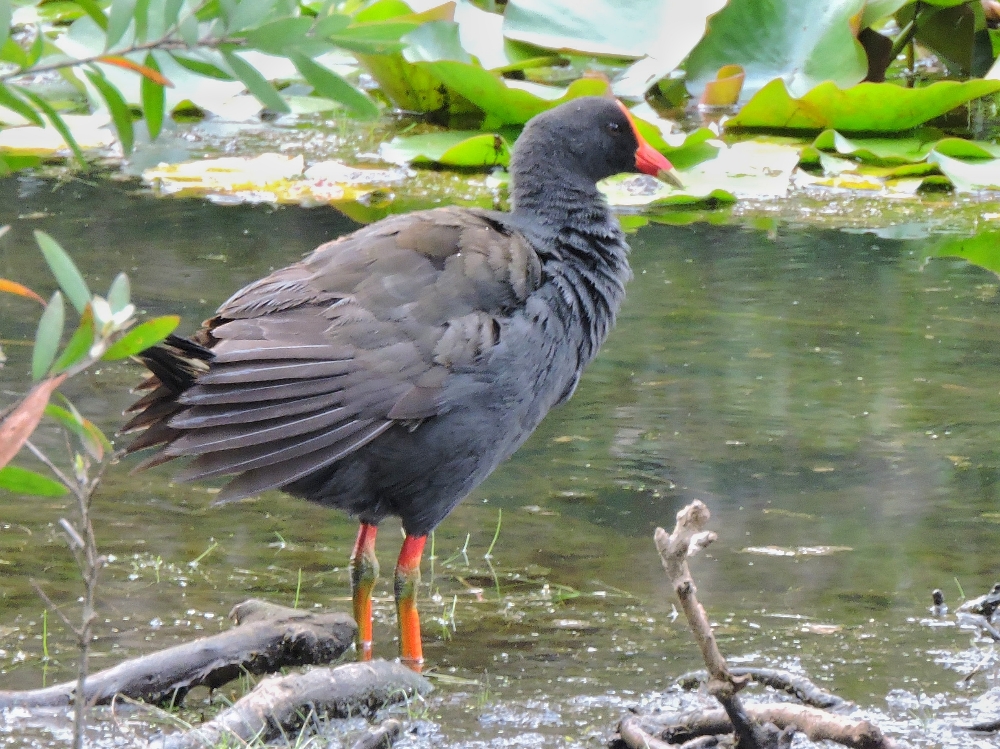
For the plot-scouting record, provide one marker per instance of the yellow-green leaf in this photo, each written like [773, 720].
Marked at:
[141, 338]
[64, 269]
[23, 481]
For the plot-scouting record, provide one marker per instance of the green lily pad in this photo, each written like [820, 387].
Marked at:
[982, 249]
[506, 102]
[640, 191]
[799, 42]
[866, 107]
[880, 151]
[454, 148]
[596, 27]
[683, 150]
[966, 176]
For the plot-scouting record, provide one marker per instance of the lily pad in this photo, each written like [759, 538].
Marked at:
[454, 148]
[966, 176]
[91, 132]
[867, 107]
[596, 27]
[982, 249]
[799, 42]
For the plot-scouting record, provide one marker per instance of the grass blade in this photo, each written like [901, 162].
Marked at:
[64, 269]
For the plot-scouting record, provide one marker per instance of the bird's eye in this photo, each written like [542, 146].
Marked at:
[613, 128]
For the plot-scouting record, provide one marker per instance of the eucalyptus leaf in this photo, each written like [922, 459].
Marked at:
[279, 36]
[249, 14]
[119, 295]
[79, 344]
[57, 122]
[12, 102]
[120, 17]
[22, 481]
[330, 85]
[64, 269]
[142, 337]
[6, 14]
[154, 99]
[121, 115]
[50, 328]
[90, 436]
[256, 84]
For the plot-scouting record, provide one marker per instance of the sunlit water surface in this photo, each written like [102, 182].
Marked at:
[833, 397]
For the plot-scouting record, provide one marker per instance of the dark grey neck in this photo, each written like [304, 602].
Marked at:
[581, 245]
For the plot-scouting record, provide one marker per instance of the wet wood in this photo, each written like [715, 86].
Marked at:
[268, 638]
[281, 704]
[382, 736]
[796, 685]
[817, 725]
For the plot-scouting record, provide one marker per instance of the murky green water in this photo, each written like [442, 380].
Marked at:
[815, 389]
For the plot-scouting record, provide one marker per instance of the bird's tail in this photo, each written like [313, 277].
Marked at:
[175, 365]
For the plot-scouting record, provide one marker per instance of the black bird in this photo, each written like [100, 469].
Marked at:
[393, 369]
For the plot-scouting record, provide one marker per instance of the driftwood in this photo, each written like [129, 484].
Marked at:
[817, 725]
[769, 726]
[381, 736]
[785, 681]
[281, 704]
[268, 638]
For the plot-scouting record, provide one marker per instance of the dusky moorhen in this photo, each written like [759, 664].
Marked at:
[391, 370]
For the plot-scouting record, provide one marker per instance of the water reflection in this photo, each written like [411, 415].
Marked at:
[816, 389]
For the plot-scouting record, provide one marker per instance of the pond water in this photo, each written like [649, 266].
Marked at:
[832, 396]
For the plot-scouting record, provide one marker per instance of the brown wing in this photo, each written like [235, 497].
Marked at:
[303, 367]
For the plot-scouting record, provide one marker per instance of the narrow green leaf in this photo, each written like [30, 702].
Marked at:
[6, 14]
[57, 122]
[79, 344]
[37, 48]
[12, 102]
[50, 328]
[64, 269]
[121, 115]
[330, 85]
[120, 293]
[23, 481]
[119, 19]
[93, 10]
[248, 13]
[141, 338]
[10, 51]
[279, 36]
[92, 438]
[172, 12]
[331, 24]
[153, 100]
[256, 84]
[141, 16]
[201, 68]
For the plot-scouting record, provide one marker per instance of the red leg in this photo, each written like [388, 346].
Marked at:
[407, 579]
[364, 572]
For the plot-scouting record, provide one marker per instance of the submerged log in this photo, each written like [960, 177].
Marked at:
[268, 637]
[281, 704]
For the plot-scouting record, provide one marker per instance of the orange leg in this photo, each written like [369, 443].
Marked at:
[364, 573]
[407, 579]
